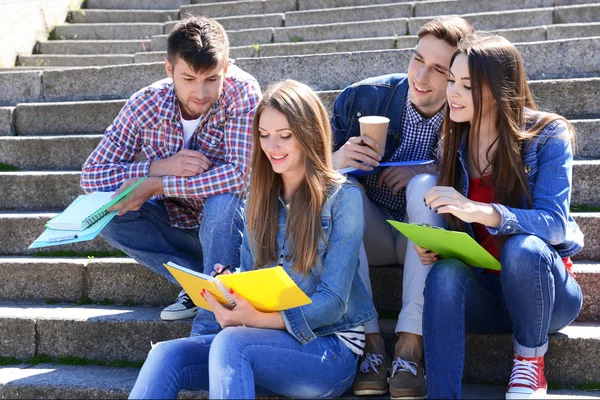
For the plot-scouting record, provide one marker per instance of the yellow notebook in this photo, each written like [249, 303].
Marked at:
[268, 289]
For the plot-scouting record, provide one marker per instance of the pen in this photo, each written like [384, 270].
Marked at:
[225, 268]
[63, 238]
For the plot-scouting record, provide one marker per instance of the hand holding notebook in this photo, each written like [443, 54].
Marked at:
[82, 220]
[267, 289]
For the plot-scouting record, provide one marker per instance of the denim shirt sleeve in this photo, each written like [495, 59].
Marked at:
[339, 118]
[340, 264]
[551, 193]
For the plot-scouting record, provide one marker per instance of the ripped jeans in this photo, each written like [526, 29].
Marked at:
[243, 362]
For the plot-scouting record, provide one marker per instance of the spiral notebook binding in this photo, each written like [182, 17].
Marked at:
[95, 217]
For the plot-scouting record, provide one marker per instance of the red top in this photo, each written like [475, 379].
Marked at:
[480, 189]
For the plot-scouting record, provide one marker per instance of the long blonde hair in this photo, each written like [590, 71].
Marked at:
[495, 63]
[309, 123]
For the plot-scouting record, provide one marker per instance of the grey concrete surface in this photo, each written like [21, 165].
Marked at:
[90, 16]
[60, 118]
[19, 230]
[228, 9]
[100, 83]
[74, 60]
[94, 47]
[578, 13]
[7, 126]
[109, 31]
[20, 87]
[349, 14]
[136, 4]
[47, 153]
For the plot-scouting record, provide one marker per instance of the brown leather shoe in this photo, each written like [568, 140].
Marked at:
[407, 380]
[371, 377]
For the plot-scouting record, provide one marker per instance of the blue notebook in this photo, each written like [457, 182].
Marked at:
[55, 237]
[355, 172]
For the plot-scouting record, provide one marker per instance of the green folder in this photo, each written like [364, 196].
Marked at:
[448, 244]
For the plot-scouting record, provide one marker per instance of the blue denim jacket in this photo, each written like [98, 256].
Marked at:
[339, 298]
[548, 165]
[382, 95]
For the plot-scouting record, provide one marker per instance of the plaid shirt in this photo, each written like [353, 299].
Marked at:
[419, 141]
[148, 128]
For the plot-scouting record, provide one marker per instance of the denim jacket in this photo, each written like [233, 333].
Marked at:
[339, 298]
[548, 165]
[382, 95]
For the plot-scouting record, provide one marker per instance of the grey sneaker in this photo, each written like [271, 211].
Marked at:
[371, 377]
[183, 308]
[407, 380]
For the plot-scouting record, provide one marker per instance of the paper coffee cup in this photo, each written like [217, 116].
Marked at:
[376, 128]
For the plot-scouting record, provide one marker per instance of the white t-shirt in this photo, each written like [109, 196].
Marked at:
[189, 127]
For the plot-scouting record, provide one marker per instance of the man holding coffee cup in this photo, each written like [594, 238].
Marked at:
[397, 118]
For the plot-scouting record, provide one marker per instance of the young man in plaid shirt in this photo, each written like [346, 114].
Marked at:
[191, 133]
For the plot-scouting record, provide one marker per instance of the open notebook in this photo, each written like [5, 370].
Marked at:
[83, 220]
[267, 289]
[87, 209]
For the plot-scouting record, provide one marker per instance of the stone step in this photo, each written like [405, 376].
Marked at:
[386, 282]
[136, 4]
[95, 47]
[335, 71]
[47, 153]
[118, 332]
[436, 5]
[71, 279]
[515, 35]
[55, 190]
[7, 126]
[242, 22]
[407, 10]
[543, 60]
[244, 7]
[93, 332]
[571, 359]
[18, 230]
[87, 16]
[578, 13]
[61, 381]
[109, 31]
[65, 117]
[242, 37]
[74, 60]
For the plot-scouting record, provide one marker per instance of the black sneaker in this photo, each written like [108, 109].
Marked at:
[183, 308]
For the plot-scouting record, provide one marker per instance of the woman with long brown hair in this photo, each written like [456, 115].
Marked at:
[304, 216]
[505, 178]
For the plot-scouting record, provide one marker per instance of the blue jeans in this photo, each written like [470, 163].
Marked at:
[147, 236]
[243, 362]
[533, 296]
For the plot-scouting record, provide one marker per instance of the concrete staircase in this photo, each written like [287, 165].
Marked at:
[55, 105]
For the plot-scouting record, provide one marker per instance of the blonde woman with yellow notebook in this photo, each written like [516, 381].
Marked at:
[305, 217]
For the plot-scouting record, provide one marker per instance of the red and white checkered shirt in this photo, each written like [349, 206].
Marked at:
[148, 128]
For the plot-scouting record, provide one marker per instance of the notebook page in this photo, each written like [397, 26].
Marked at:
[80, 209]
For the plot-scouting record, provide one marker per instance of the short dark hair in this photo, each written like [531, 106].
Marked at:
[199, 41]
[449, 29]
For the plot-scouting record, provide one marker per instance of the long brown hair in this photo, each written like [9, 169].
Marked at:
[309, 123]
[495, 63]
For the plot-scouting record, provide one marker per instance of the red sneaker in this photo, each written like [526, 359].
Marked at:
[527, 380]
